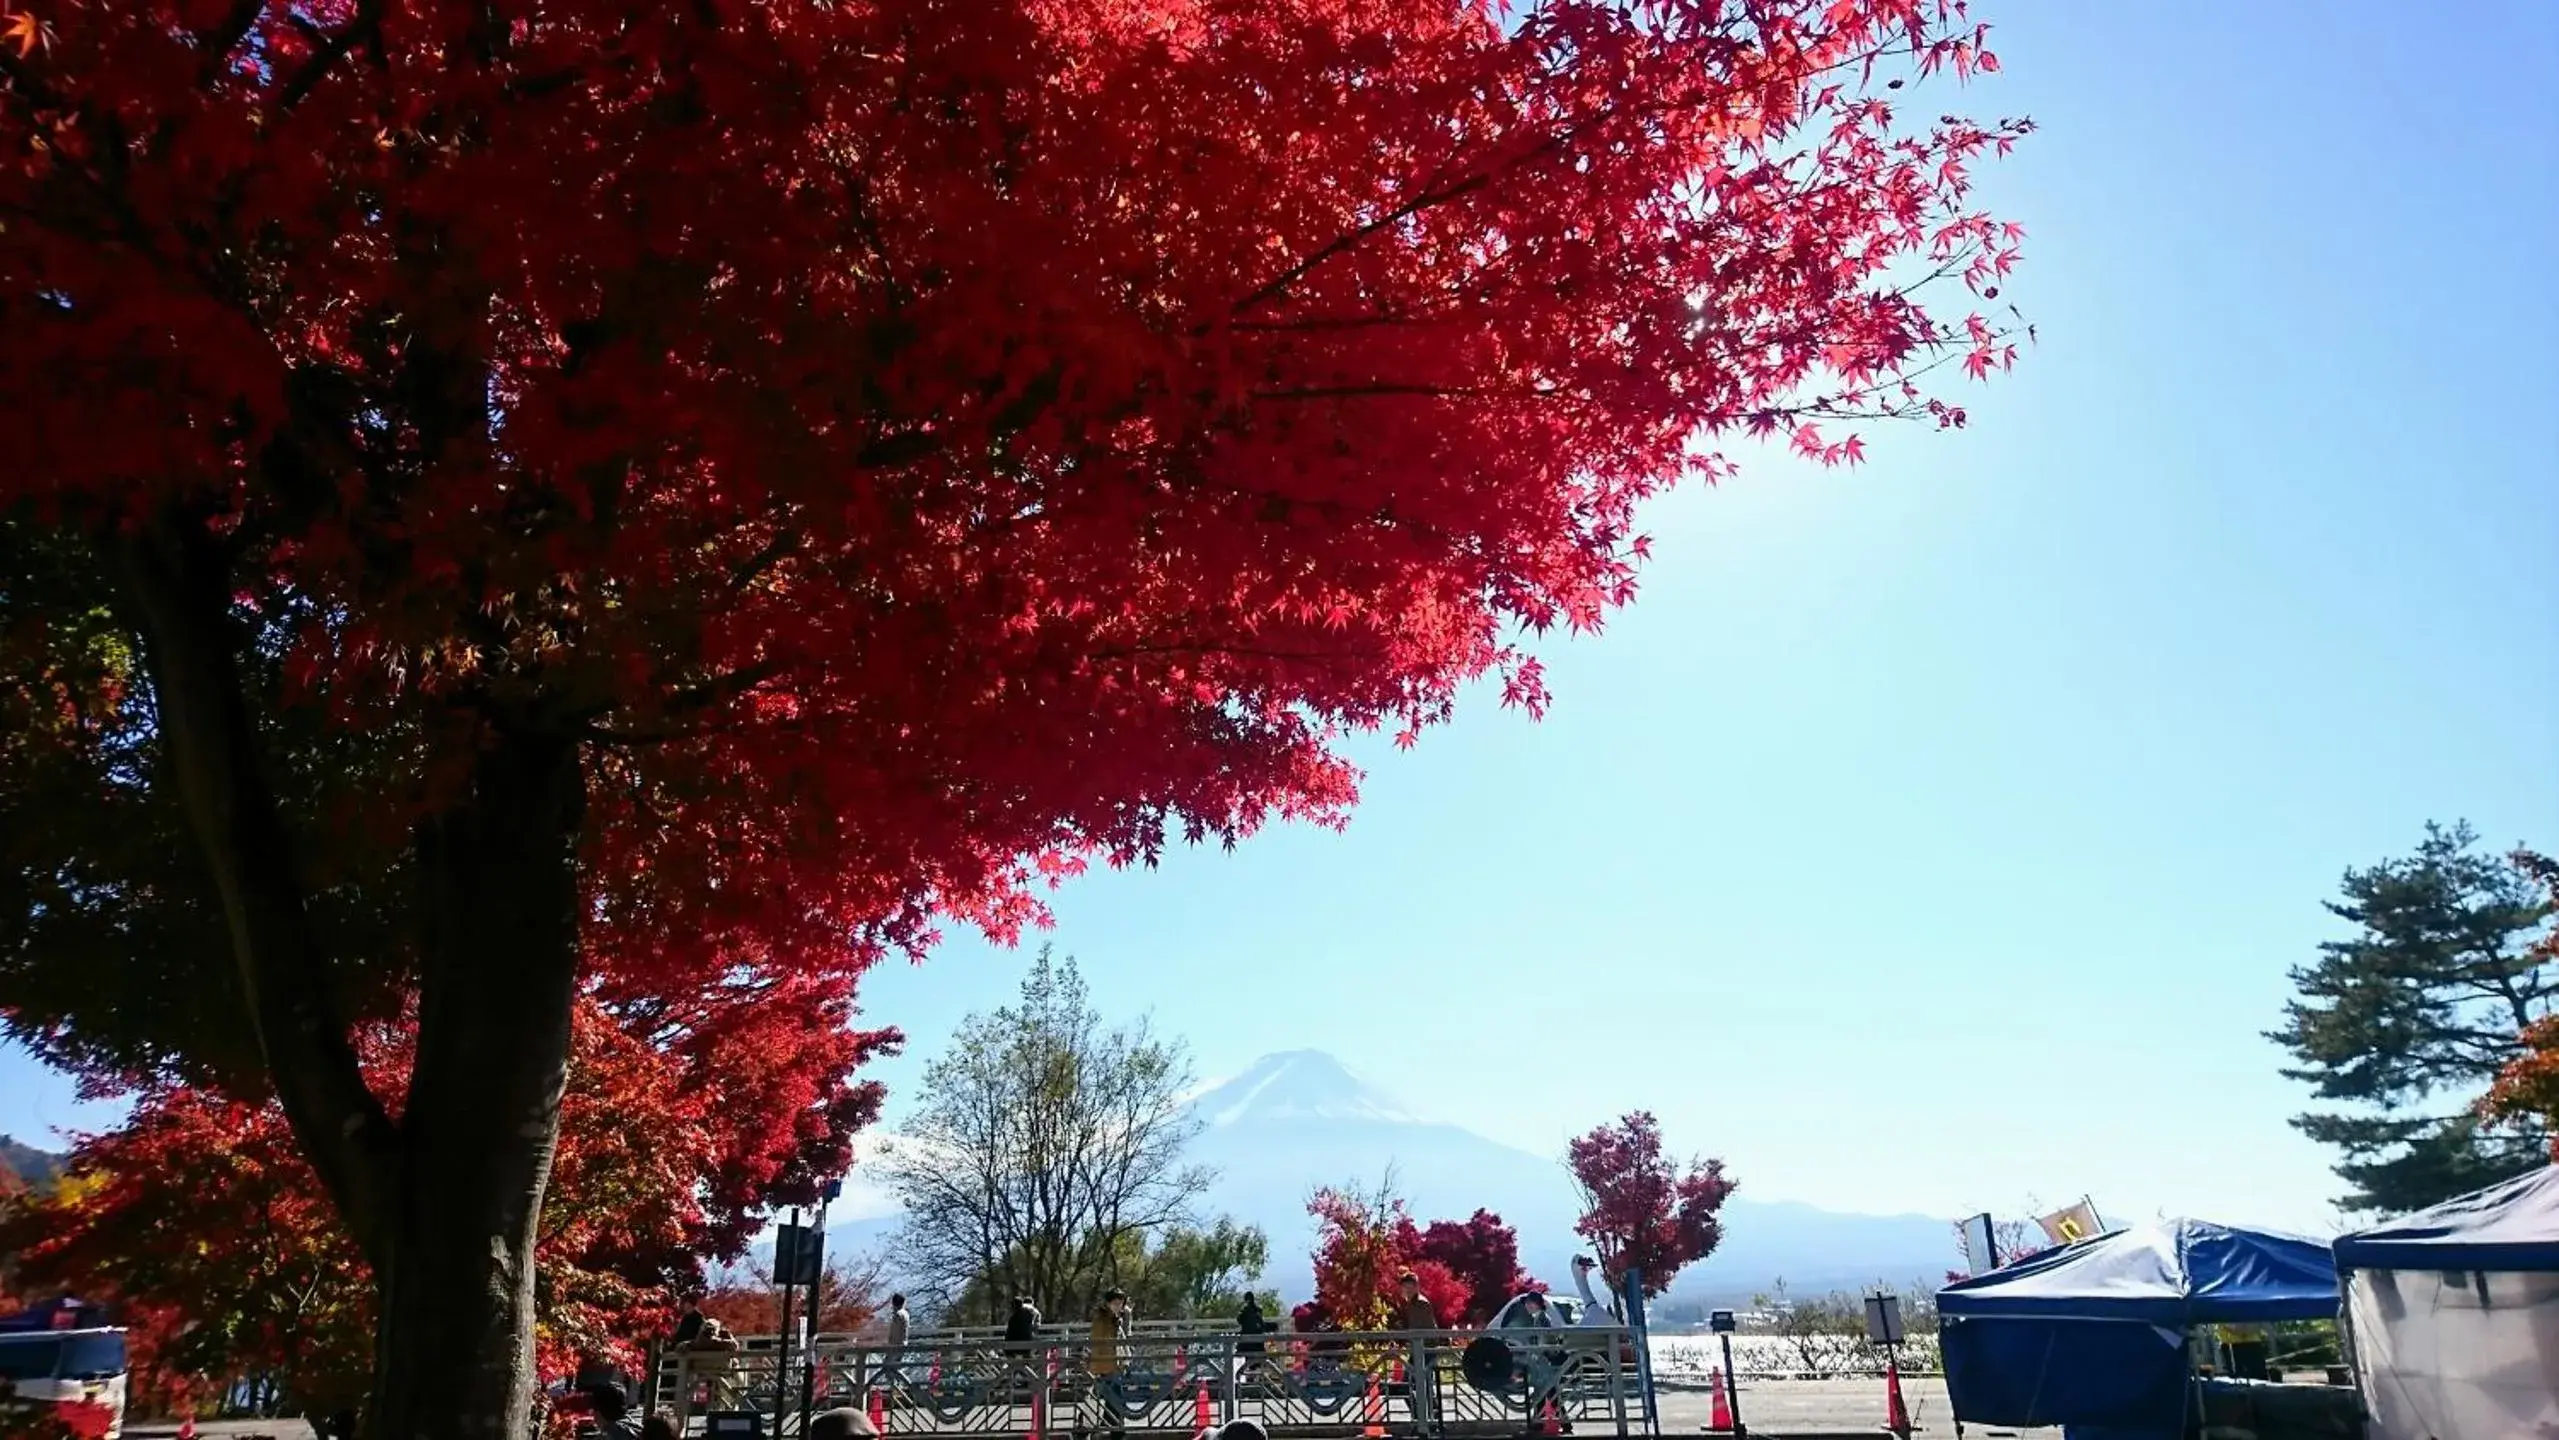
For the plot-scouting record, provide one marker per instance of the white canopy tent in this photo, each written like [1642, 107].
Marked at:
[2453, 1314]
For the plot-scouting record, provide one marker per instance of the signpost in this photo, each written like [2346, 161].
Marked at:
[1723, 1324]
[1884, 1327]
[790, 1239]
[1883, 1320]
[816, 1245]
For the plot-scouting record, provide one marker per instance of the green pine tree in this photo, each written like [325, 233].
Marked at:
[2406, 1022]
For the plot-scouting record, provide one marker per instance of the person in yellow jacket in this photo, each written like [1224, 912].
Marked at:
[1109, 1323]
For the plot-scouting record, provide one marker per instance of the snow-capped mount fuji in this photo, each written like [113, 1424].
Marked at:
[1291, 1122]
[1297, 1085]
[1295, 1121]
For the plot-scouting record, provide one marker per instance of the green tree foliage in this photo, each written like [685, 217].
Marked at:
[1201, 1272]
[1045, 1144]
[1185, 1272]
[2402, 1025]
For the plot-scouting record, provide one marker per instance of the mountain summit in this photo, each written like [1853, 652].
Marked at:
[1294, 1086]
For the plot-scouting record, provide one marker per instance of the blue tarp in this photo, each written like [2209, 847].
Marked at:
[2508, 1227]
[2175, 1273]
[63, 1313]
[2093, 1337]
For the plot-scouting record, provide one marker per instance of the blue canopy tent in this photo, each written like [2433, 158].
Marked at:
[2093, 1337]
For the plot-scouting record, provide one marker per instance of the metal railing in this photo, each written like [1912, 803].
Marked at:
[1581, 1379]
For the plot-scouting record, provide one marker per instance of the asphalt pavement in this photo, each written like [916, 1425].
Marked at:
[1826, 1407]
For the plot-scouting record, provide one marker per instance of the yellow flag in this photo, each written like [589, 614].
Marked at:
[2069, 1227]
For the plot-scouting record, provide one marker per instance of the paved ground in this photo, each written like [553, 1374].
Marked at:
[1823, 1407]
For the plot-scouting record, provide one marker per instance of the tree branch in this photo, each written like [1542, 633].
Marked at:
[178, 587]
[218, 42]
[332, 49]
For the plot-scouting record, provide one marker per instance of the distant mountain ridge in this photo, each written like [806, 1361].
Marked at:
[25, 1162]
[1300, 1119]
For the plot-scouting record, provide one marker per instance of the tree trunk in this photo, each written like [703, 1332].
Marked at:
[498, 976]
[445, 1201]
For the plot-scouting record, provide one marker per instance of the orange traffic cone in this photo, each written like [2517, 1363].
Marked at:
[1722, 1417]
[1203, 1416]
[186, 1428]
[1375, 1409]
[1547, 1423]
[1896, 1414]
[879, 1412]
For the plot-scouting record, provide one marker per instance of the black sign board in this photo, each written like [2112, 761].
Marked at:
[798, 1254]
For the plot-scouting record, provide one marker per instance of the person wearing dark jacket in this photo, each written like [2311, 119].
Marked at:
[1250, 1322]
[1023, 1325]
[613, 1417]
[1415, 1316]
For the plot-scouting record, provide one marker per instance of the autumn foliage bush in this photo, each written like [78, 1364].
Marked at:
[203, 1223]
[1365, 1243]
[1479, 1253]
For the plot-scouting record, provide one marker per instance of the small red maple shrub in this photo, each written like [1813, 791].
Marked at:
[1356, 1259]
[1640, 1210]
[1480, 1253]
[1364, 1244]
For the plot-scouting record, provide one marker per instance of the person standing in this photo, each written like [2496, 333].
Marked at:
[712, 1359]
[890, 1366]
[1023, 1325]
[1418, 1319]
[1109, 1324]
[613, 1417]
[1250, 1323]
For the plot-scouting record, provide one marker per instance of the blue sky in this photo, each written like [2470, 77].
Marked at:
[1936, 836]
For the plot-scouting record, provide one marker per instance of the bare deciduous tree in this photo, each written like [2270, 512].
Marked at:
[1044, 1141]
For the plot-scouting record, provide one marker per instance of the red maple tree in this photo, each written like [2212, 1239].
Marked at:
[2528, 1089]
[1640, 1210]
[849, 1296]
[509, 498]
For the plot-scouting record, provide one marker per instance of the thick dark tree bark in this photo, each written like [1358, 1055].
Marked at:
[179, 596]
[454, 1356]
[445, 1201]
